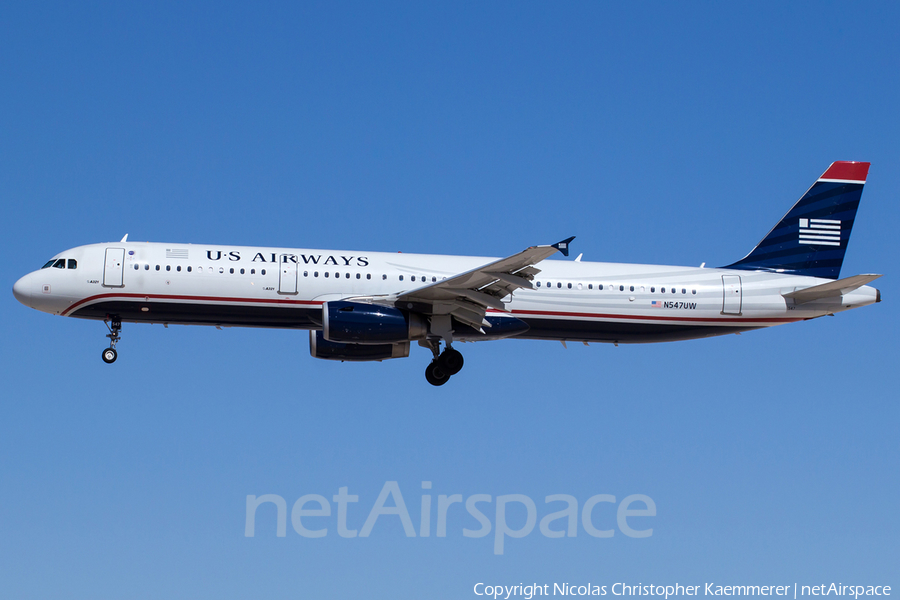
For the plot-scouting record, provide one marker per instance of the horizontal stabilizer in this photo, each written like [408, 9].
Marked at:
[832, 289]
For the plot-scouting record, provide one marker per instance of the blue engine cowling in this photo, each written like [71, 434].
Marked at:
[359, 323]
[319, 347]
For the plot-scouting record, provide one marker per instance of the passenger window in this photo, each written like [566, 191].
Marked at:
[413, 278]
[242, 271]
[73, 264]
[600, 287]
[590, 286]
[368, 276]
[136, 267]
[347, 276]
[662, 290]
[570, 286]
[693, 291]
[327, 274]
[652, 290]
[673, 290]
[401, 278]
[631, 289]
[683, 291]
[306, 273]
[384, 276]
[231, 270]
[433, 279]
[558, 284]
[221, 269]
[178, 268]
[147, 267]
[253, 271]
[189, 269]
[315, 274]
[538, 284]
[358, 276]
[621, 288]
[262, 272]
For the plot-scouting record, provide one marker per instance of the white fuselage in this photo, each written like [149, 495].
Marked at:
[285, 287]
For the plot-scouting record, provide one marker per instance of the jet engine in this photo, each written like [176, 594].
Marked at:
[319, 347]
[370, 324]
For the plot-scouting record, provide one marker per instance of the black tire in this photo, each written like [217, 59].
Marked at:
[434, 375]
[110, 355]
[451, 361]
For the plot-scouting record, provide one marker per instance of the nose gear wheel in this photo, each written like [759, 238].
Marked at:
[114, 324]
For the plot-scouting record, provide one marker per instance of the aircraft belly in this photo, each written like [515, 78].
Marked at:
[291, 317]
[621, 332]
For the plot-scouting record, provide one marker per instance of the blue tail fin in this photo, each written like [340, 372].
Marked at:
[812, 237]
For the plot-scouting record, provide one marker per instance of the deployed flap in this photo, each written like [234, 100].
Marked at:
[832, 289]
[468, 295]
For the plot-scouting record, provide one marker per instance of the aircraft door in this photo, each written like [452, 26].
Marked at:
[732, 295]
[114, 267]
[287, 275]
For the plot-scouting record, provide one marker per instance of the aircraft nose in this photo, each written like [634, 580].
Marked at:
[22, 290]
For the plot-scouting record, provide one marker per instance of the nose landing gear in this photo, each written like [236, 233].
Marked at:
[115, 326]
[444, 364]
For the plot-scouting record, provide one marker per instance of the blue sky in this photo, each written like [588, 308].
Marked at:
[654, 132]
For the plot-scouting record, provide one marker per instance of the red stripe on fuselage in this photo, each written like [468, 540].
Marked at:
[551, 313]
[536, 313]
[275, 301]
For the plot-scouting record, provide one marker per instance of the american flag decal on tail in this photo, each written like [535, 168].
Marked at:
[825, 232]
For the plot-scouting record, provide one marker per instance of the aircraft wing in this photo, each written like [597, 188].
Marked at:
[831, 289]
[468, 295]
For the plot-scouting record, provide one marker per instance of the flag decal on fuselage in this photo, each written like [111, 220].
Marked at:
[826, 232]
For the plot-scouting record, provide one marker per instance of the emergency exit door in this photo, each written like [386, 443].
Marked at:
[287, 275]
[732, 295]
[114, 267]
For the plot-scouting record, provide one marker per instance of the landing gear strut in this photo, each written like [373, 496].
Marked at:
[444, 364]
[115, 326]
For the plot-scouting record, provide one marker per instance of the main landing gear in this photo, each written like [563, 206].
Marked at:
[115, 326]
[444, 365]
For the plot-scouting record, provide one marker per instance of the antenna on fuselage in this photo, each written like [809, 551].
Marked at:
[124, 239]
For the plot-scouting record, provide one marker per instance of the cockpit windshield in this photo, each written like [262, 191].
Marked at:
[60, 263]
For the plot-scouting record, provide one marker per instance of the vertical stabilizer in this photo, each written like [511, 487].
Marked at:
[812, 237]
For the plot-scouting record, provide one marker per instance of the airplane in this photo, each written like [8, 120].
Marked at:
[370, 306]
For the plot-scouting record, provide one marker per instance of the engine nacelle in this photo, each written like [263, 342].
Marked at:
[319, 347]
[358, 323]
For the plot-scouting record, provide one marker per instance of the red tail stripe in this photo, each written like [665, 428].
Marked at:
[850, 171]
